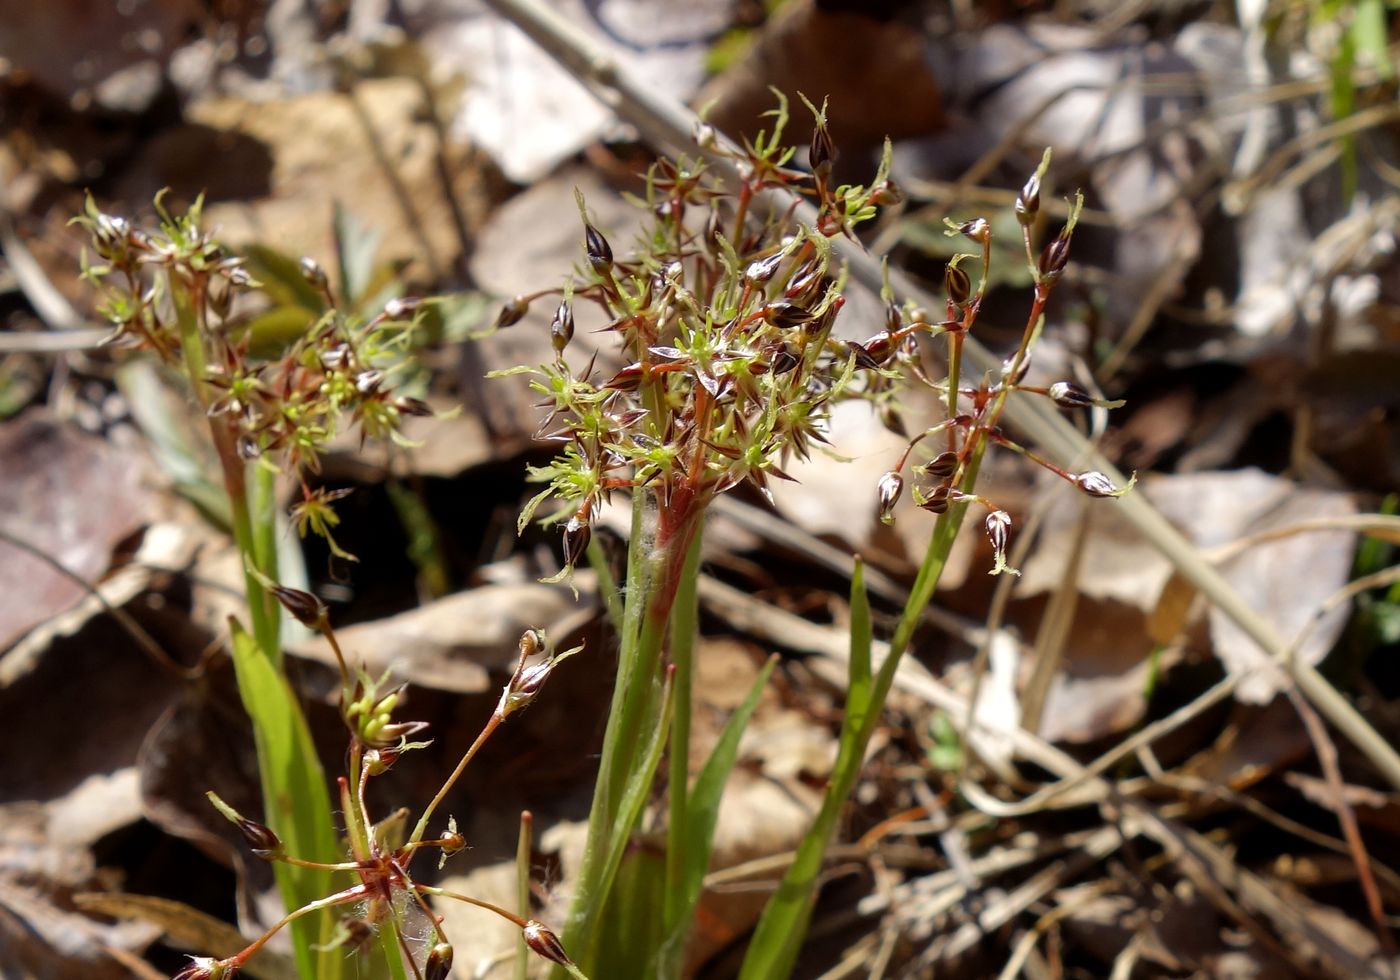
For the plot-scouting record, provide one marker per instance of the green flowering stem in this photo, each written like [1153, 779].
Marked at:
[296, 802]
[657, 561]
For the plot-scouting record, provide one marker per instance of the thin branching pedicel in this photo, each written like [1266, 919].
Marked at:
[381, 856]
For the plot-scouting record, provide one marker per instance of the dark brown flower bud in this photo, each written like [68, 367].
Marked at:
[786, 316]
[1028, 201]
[512, 313]
[957, 284]
[1053, 259]
[821, 154]
[307, 609]
[783, 358]
[894, 318]
[628, 379]
[402, 306]
[368, 382]
[1067, 394]
[561, 328]
[312, 272]
[439, 962]
[409, 405]
[978, 230]
[890, 488]
[259, 837]
[599, 252]
[577, 533]
[880, 347]
[937, 502]
[943, 465]
[760, 273]
[337, 357]
[545, 943]
[1013, 373]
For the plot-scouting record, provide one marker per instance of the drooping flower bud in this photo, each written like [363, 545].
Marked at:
[402, 306]
[561, 328]
[1028, 201]
[260, 838]
[786, 316]
[545, 943]
[1067, 394]
[890, 488]
[409, 405]
[439, 962]
[943, 465]
[997, 524]
[307, 608]
[312, 272]
[957, 284]
[1053, 259]
[599, 252]
[512, 313]
[937, 502]
[760, 273]
[1097, 484]
[978, 230]
[782, 359]
[577, 533]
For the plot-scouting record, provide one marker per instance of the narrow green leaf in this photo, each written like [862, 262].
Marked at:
[702, 812]
[296, 799]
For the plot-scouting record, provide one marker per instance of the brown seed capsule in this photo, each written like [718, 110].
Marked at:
[439, 962]
[545, 943]
[894, 318]
[943, 465]
[308, 610]
[1067, 394]
[512, 313]
[577, 533]
[452, 842]
[1097, 484]
[786, 316]
[312, 272]
[880, 347]
[890, 489]
[957, 284]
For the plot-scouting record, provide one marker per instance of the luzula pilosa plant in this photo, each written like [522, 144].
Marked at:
[175, 291]
[724, 316]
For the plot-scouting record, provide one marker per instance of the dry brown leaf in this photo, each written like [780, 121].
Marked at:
[72, 496]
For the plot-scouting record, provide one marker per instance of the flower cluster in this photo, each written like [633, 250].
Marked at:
[725, 321]
[382, 855]
[724, 318]
[176, 291]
